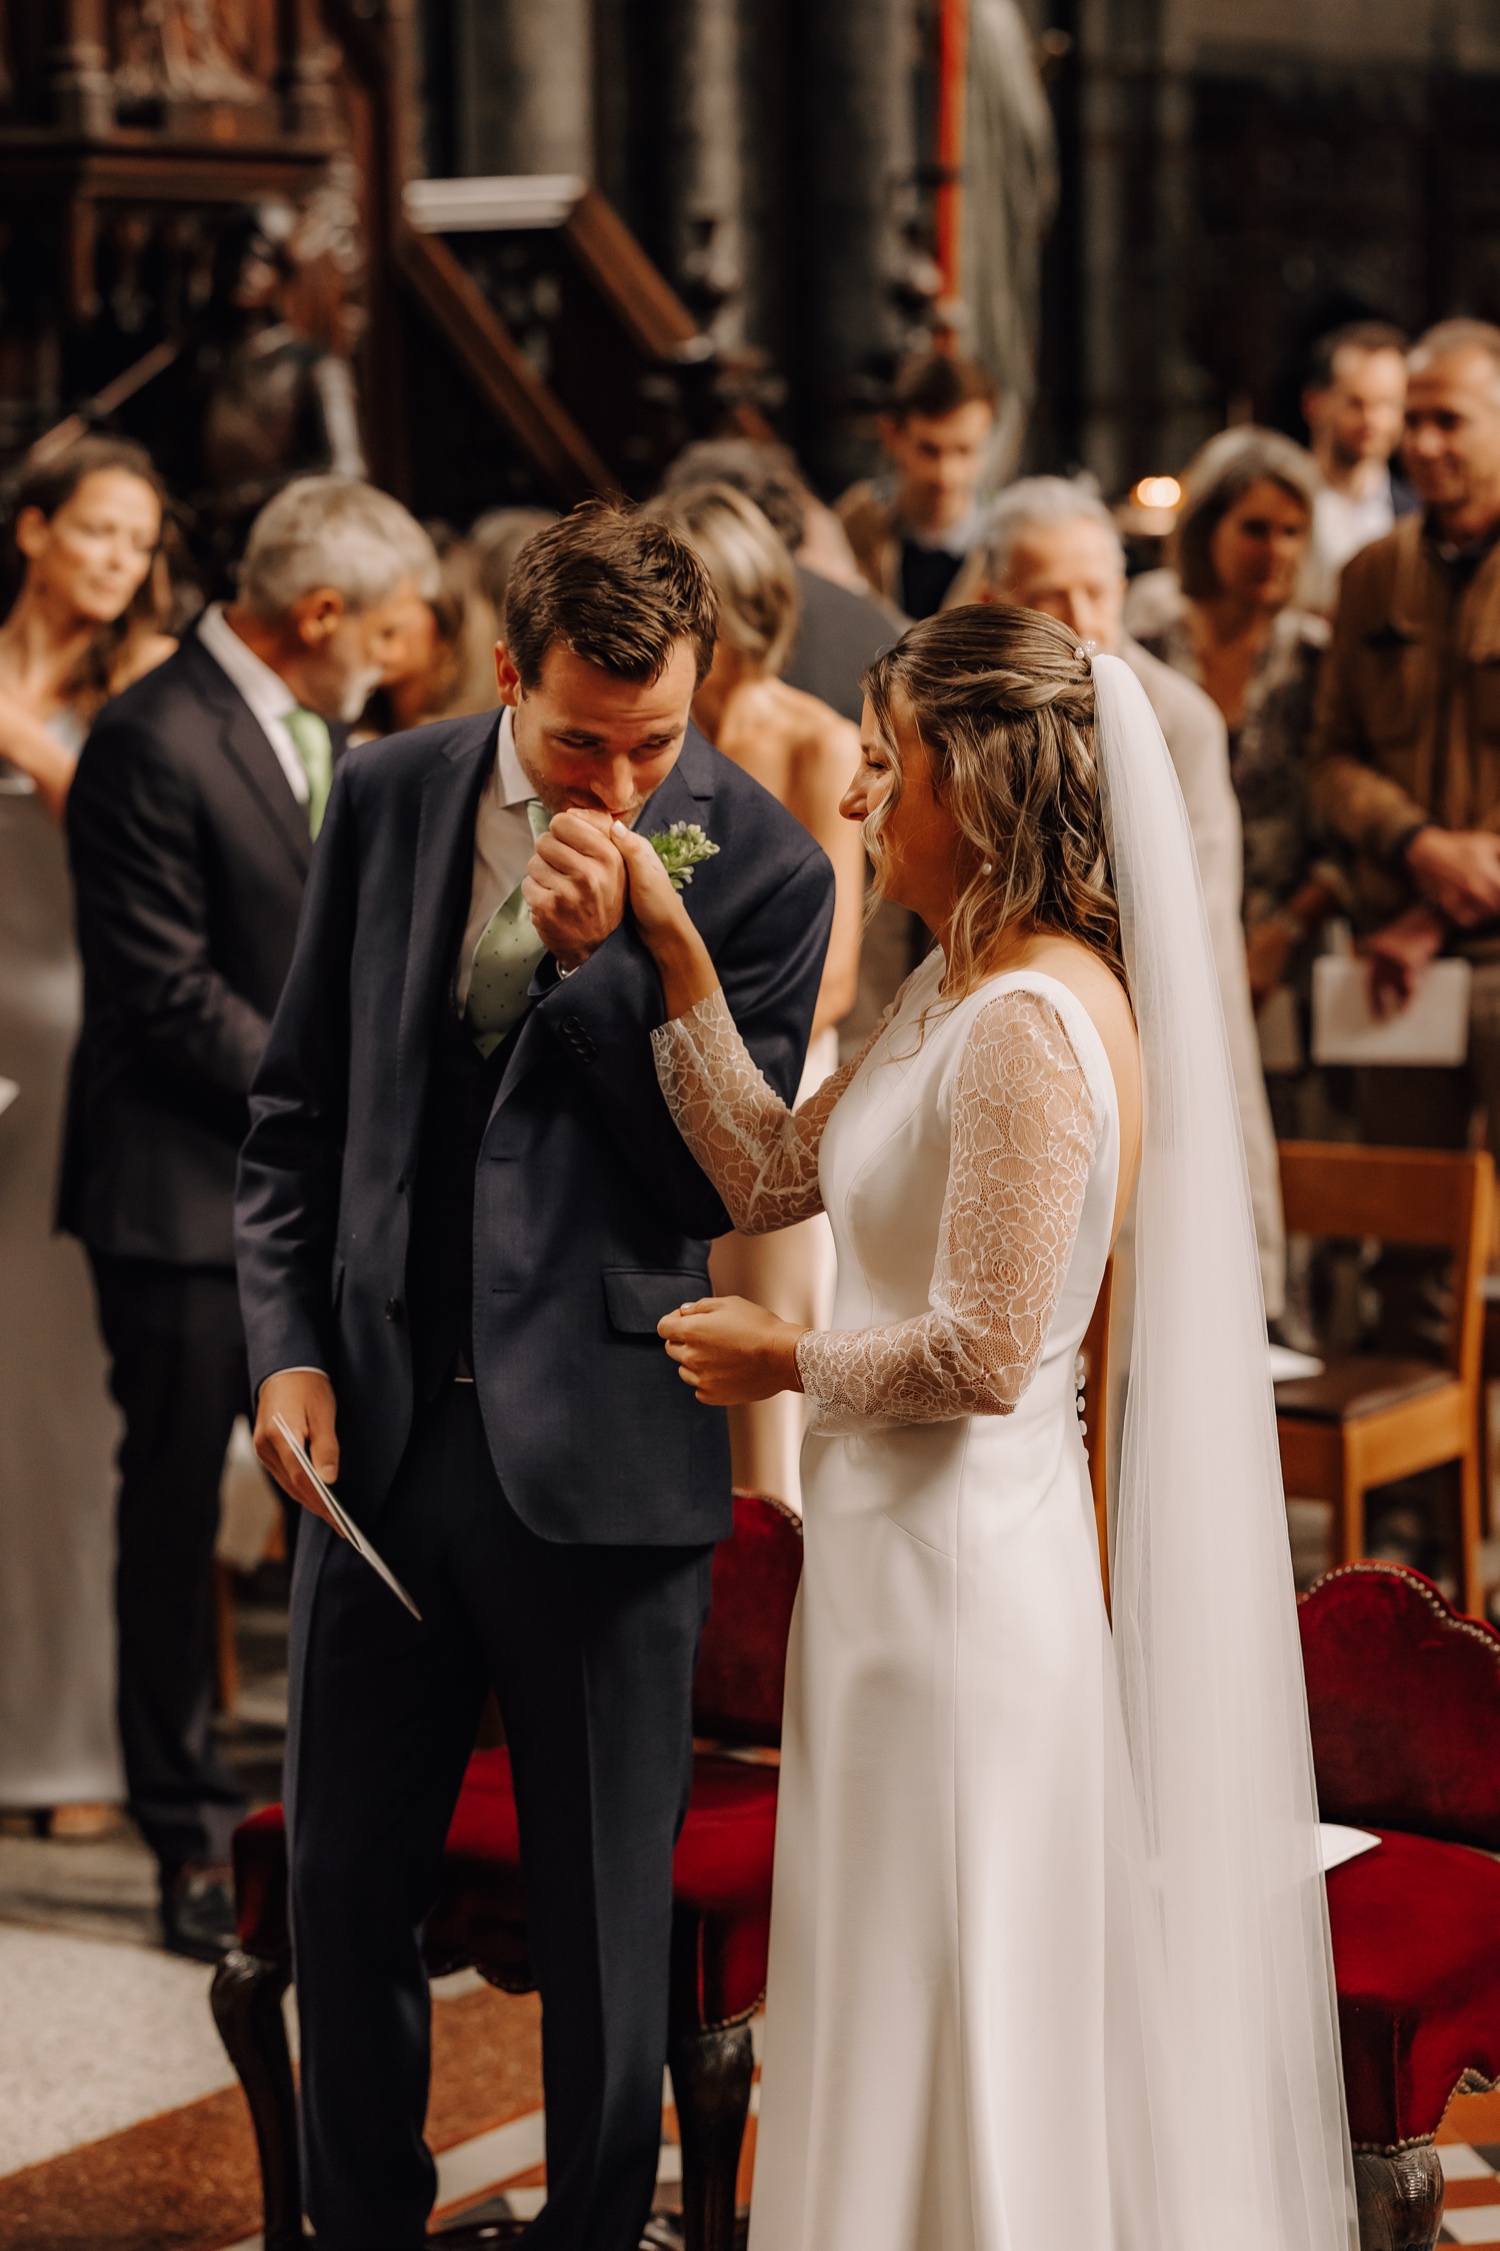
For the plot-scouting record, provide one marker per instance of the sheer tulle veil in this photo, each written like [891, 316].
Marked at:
[1241, 2100]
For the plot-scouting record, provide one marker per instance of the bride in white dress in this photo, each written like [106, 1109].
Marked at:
[1049, 1958]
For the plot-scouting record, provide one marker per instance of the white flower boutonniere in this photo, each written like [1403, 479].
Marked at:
[681, 848]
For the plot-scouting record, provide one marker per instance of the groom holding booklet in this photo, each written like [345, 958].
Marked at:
[463, 1208]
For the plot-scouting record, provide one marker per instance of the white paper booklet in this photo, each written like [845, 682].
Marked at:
[1432, 1029]
[8, 1092]
[1340, 1844]
[343, 1523]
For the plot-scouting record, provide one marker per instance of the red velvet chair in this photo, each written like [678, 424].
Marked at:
[721, 1905]
[1404, 1695]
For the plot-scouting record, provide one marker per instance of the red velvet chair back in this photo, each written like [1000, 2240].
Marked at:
[1404, 1696]
[737, 1689]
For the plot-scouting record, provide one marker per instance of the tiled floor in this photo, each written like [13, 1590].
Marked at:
[1469, 2146]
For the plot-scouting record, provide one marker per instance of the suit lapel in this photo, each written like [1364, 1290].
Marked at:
[243, 742]
[442, 880]
[685, 795]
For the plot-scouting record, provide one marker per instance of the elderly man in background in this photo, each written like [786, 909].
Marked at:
[1353, 403]
[190, 824]
[1051, 545]
[911, 531]
[1406, 748]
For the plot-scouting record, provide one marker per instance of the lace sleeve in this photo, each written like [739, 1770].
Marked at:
[1021, 1143]
[761, 1156]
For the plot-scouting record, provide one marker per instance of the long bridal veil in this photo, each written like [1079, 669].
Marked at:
[1243, 2087]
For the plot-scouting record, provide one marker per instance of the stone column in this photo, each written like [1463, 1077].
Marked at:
[856, 129]
[77, 76]
[705, 188]
[523, 79]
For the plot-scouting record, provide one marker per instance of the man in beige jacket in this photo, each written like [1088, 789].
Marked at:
[1051, 545]
[911, 530]
[1406, 748]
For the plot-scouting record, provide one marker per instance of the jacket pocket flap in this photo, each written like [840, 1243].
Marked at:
[639, 1297]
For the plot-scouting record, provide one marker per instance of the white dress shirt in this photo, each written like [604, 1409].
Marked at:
[267, 694]
[503, 846]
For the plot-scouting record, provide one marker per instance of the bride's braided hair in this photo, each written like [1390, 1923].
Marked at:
[1003, 700]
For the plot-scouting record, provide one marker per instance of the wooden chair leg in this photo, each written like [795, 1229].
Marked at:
[712, 2074]
[1400, 2200]
[1469, 1532]
[226, 1651]
[1349, 1514]
[246, 2000]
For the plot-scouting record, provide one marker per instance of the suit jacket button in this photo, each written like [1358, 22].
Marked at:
[394, 1309]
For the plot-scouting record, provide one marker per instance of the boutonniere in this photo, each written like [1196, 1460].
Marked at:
[680, 849]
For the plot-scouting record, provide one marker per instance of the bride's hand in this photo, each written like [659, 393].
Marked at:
[685, 965]
[731, 1351]
[657, 908]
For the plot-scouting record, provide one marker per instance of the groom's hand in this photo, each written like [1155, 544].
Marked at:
[305, 1397]
[576, 885]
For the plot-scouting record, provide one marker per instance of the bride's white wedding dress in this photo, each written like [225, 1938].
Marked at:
[936, 2068]
[1049, 1954]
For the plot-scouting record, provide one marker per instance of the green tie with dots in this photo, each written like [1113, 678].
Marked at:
[309, 732]
[505, 961]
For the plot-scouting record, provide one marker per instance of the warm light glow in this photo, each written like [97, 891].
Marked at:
[1157, 492]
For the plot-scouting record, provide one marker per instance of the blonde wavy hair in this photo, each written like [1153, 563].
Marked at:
[760, 604]
[1003, 700]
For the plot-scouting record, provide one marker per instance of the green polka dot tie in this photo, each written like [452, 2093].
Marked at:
[505, 961]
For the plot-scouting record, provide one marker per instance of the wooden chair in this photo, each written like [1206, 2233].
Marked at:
[1366, 1421]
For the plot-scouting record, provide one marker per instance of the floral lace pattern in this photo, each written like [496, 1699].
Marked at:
[761, 1156]
[1021, 1144]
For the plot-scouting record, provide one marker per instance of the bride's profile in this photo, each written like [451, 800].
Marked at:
[1049, 1952]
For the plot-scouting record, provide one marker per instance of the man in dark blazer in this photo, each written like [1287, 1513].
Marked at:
[463, 1209]
[190, 825]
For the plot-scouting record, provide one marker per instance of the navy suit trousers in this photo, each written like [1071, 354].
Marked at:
[590, 1651]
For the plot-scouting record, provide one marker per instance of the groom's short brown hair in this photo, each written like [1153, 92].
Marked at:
[617, 588]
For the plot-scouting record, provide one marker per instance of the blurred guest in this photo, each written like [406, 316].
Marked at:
[191, 821]
[87, 531]
[1353, 403]
[841, 627]
[1228, 621]
[806, 756]
[911, 529]
[443, 665]
[1407, 752]
[1051, 545]
[497, 539]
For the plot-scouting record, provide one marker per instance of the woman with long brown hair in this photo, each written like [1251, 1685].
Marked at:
[1047, 1903]
[87, 620]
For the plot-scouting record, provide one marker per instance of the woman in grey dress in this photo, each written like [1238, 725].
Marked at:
[87, 530]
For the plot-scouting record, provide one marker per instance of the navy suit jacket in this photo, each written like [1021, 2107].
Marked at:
[591, 1219]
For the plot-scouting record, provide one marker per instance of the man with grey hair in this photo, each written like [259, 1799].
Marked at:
[190, 825]
[1050, 544]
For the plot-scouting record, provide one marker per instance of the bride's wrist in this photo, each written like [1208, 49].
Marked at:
[684, 965]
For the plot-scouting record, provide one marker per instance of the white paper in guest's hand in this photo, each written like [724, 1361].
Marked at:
[1340, 1844]
[1431, 1031]
[343, 1523]
[8, 1092]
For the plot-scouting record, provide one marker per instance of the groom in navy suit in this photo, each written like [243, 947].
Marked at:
[463, 1209]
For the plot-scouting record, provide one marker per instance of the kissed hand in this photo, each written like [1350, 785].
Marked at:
[575, 885]
[731, 1351]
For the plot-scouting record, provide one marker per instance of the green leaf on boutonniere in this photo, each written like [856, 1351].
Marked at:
[680, 849]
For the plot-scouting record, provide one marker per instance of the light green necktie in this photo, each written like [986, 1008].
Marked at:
[309, 731]
[505, 961]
